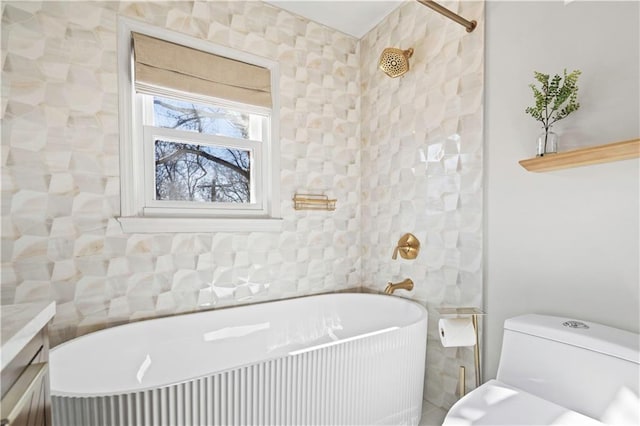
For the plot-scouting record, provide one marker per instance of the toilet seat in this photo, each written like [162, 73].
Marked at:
[496, 403]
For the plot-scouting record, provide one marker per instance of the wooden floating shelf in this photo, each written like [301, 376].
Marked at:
[584, 156]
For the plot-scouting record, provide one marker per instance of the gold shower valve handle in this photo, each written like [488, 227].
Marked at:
[395, 253]
[408, 247]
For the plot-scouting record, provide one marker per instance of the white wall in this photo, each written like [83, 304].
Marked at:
[566, 242]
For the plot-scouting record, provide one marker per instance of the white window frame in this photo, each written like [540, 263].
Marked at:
[153, 207]
[139, 211]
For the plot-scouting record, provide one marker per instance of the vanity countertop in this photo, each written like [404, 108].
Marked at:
[20, 323]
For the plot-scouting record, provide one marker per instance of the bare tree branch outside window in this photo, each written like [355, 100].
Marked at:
[206, 173]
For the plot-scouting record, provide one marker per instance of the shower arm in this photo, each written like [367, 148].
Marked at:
[469, 25]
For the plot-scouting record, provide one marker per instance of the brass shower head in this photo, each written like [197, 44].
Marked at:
[395, 62]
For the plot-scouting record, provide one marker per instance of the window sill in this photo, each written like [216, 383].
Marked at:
[134, 224]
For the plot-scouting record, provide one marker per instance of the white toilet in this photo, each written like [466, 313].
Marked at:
[557, 371]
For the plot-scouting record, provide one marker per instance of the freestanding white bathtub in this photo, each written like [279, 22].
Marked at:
[330, 359]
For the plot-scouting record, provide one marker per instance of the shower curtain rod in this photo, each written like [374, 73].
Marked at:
[469, 25]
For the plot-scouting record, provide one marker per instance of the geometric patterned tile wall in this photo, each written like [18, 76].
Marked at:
[60, 167]
[422, 170]
[419, 138]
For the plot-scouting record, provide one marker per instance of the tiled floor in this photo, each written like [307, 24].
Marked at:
[431, 415]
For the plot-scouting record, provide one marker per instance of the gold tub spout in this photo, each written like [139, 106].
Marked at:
[405, 285]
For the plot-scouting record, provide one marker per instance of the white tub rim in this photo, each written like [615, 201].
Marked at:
[422, 315]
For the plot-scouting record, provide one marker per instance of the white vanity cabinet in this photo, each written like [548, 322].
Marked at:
[24, 355]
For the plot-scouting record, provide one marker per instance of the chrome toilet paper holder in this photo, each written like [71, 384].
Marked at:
[474, 313]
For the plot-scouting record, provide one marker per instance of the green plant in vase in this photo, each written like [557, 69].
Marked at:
[556, 98]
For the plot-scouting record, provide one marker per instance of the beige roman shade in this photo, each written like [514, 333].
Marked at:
[160, 63]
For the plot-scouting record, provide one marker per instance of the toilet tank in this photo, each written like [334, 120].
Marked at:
[587, 367]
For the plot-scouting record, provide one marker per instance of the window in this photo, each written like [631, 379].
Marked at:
[203, 159]
[199, 152]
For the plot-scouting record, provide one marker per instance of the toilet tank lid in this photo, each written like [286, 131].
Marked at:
[598, 338]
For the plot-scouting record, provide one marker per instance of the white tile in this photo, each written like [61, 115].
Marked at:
[431, 415]
[426, 122]
[63, 124]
